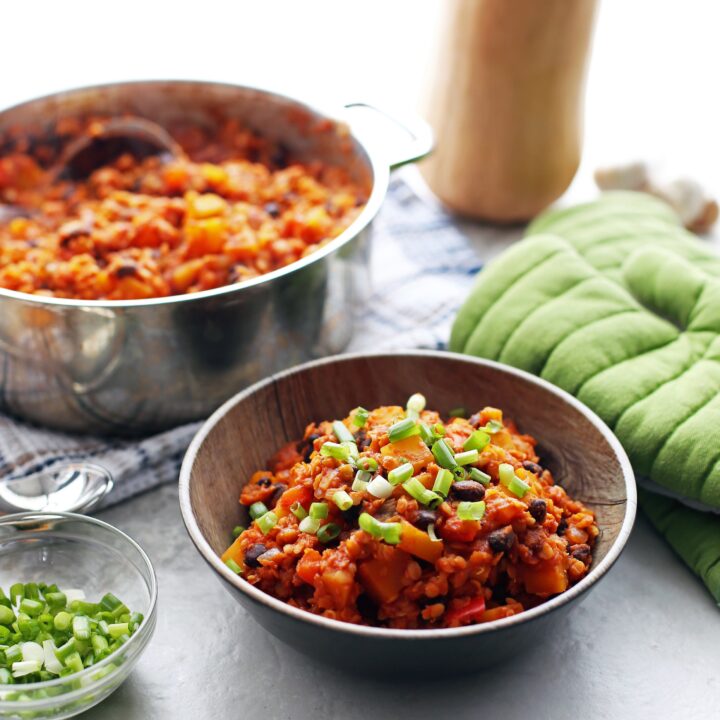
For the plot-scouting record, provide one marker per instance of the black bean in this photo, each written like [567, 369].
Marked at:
[272, 209]
[501, 540]
[533, 467]
[500, 590]
[562, 527]
[467, 490]
[352, 514]
[264, 482]
[367, 607]
[306, 447]
[538, 509]
[362, 440]
[280, 488]
[425, 518]
[126, 271]
[253, 553]
[581, 552]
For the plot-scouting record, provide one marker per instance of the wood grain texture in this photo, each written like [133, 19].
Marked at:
[578, 448]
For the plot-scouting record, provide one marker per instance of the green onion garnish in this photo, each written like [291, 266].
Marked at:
[518, 487]
[458, 412]
[403, 429]
[6, 615]
[342, 500]
[257, 510]
[335, 450]
[471, 510]
[361, 481]
[424, 496]
[426, 434]
[468, 457]
[360, 417]
[439, 429]
[352, 450]
[431, 532]
[478, 440]
[492, 427]
[298, 510]
[401, 474]
[459, 472]
[81, 627]
[229, 562]
[506, 472]
[390, 532]
[379, 487]
[479, 476]
[238, 530]
[328, 532]
[309, 525]
[415, 405]
[443, 455]
[443, 481]
[33, 608]
[319, 510]
[367, 464]
[341, 432]
[267, 522]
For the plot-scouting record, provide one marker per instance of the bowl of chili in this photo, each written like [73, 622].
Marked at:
[532, 500]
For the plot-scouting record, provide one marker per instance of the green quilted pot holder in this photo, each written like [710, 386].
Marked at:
[617, 304]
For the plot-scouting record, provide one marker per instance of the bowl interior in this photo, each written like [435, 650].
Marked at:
[75, 553]
[580, 451]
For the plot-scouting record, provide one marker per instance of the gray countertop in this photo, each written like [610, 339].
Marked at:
[644, 643]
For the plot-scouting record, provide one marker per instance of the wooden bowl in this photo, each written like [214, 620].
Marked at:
[580, 450]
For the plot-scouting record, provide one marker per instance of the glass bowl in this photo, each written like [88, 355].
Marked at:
[75, 551]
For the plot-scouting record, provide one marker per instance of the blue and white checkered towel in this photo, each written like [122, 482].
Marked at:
[422, 269]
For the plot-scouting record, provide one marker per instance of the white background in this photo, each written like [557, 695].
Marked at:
[652, 90]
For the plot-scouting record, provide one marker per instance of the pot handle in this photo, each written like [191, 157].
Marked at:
[421, 138]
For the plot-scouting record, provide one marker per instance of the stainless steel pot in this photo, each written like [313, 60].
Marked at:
[132, 367]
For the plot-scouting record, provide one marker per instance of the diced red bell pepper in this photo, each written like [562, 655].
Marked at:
[472, 611]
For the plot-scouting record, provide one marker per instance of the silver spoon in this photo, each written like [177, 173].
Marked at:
[75, 487]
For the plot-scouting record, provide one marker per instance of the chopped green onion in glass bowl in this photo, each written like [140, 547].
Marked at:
[75, 552]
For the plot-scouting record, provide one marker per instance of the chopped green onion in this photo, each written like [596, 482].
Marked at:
[33, 608]
[367, 464]
[426, 434]
[17, 591]
[309, 525]
[109, 601]
[74, 662]
[401, 474]
[6, 615]
[328, 532]
[403, 429]
[298, 510]
[390, 532]
[379, 487]
[229, 562]
[118, 629]
[32, 591]
[443, 455]
[506, 472]
[424, 496]
[319, 510]
[352, 450]
[471, 510]
[67, 649]
[25, 667]
[238, 530]
[62, 621]
[342, 500]
[267, 522]
[257, 510]
[431, 532]
[360, 417]
[341, 432]
[361, 481]
[335, 450]
[443, 482]
[415, 405]
[459, 472]
[518, 487]
[439, 429]
[479, 476]
[478, 440]
[81, 627]
[467, 458]
[492, 427]
[458, 412]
